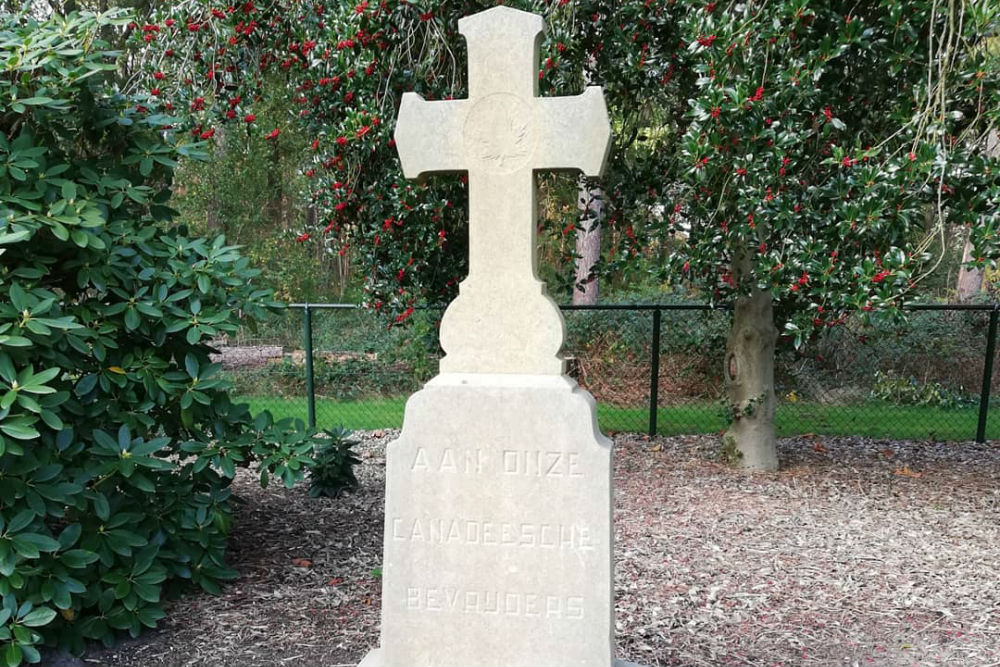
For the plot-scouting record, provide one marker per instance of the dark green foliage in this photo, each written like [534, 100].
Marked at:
[332, 471]
[117, 438]
[910, 391]
[932, 358]
[344, 378]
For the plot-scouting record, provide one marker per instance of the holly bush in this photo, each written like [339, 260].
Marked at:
[804, 155]
[775, 132]
[118, 441]
[827, 147]
[348, 65]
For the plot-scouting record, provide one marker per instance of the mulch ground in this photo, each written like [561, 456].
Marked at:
[858, 553]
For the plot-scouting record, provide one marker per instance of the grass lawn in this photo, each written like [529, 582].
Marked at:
[881, 420]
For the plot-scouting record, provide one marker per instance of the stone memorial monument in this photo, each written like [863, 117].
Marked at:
[498, 533]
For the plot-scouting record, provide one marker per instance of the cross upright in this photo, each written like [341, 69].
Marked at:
[502, 320]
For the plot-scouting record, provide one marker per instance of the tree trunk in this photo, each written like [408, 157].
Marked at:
[970, 280]
[749, 442]
[590, 202]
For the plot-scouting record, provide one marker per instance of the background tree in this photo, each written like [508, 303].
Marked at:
[825, 147]
[348, 65]
[797, 159]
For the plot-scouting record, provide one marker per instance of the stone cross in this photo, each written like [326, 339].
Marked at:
[498, 539]
[502, 320]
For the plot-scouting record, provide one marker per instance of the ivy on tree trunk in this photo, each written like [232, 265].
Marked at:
[588, 242]
[749, 372]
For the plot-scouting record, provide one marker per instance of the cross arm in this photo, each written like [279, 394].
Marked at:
[429, 135]
[575, 132]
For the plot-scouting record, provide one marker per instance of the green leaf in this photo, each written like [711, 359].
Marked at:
[141, 482]
[15, 341]
[124, 437]
[228, 467]
[52, 420]
[12, 655]
[28, 403]
[147, 592]
[105, 440]
[39, 617]
[20, 431]
[59, 231]
[42, 542]
[78, 558]
[21, 521]
[86, 385]
[150, 446]
[131, 319]
[126, 467]
[14, 237]
[37, 101]
[123, 589]
[7, 371]
[148, 616]
[24, 547]
[43, 377]
[18, 297]
[101, 507]
[70, 535]
[191, 365]
[31, 654]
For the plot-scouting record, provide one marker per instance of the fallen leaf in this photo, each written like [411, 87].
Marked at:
[888, 453]
[656, 448]
[301, 562]
[818, 446]
[906, 472]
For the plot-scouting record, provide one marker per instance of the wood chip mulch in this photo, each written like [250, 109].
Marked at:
[858, 553]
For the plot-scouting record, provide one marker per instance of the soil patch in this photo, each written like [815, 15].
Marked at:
[860, 552]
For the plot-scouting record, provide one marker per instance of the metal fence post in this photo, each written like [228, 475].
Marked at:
[984, 395]
[307, 333]
[654, 372]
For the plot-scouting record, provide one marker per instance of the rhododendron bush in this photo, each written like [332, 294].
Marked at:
[795, 153]
[118, 440]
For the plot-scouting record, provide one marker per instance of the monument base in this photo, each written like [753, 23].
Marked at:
[374, 659]
[498, 527]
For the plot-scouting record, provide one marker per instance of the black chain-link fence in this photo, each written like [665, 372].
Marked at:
[923, 379]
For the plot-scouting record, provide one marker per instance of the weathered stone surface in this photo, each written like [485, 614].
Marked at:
[502, 320]
[498, 527]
